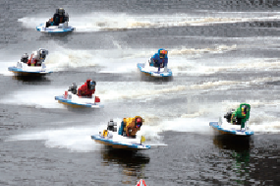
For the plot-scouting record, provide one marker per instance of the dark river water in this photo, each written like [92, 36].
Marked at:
[221, 53]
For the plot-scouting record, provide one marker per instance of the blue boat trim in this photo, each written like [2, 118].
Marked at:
[15, 69]
[218, 127]
[141, 66]
[49, 30]
[133, 146]
[62, 99]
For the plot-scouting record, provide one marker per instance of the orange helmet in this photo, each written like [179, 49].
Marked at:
[162, 53]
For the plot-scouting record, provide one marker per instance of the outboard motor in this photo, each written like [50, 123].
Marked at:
[24, 58]
[112, 126]
[228, 115]
[73, 88]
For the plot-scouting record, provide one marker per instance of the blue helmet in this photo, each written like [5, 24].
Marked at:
[92, 85]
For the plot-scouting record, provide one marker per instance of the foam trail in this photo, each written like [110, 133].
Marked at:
[271, 128]
[32, 22]
[250, 64]
[122, 61]
[4, 68]
[224, 85]
[67, 58]
[127, 90]
[73, 138]
[34, 97]
[117, 60]
[192, 51]
[261, 122]
[7, 60]
[99, 21]
[116, 91]
[45, 99]
[78, 138]
[108, 21]
[114, 60]
[197, 125]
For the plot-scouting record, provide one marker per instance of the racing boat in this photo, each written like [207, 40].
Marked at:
[230, 129]
[61, 28]
[72, 99]
[112, 137]
[22, 69]
[150, 70]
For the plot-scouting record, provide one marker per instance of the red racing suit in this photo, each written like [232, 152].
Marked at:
[85, 91]
[33, 61]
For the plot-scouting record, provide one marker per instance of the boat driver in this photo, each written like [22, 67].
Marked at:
[59, 17]
[87, 89]
[130, 126]
[37, 57]
[240, 116]
[159, 59]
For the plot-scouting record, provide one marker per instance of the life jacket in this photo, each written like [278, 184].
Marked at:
[31, 61]
[130, 124]
[61, 19]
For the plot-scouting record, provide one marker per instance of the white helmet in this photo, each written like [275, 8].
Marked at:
[60, 11]
[25, 55]
[43, 53]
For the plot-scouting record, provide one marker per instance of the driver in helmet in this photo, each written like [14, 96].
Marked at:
[37, 57]
[131, 126]
[240, 116]
[59, 17]
[87, 89]
[159, 59]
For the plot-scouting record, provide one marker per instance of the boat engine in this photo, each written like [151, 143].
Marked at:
[24, 58]
[73, 88]
[112, 126]
[228, 115]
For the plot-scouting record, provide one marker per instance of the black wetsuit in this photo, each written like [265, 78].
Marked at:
[56, 20]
